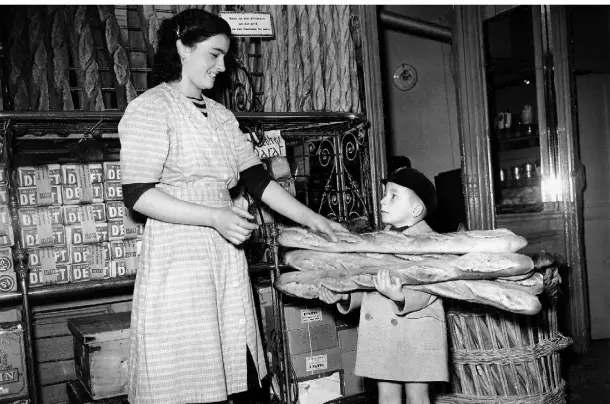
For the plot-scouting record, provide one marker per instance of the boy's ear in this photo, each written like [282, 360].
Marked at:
[418, 210]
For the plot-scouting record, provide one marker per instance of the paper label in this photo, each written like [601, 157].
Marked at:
[44, 193]
[98, 262]
[316, 362]
[131, 257]
[311, 315]
[272, 145]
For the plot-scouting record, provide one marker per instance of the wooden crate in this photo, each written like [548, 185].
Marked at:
[101, 353]
[78, 395]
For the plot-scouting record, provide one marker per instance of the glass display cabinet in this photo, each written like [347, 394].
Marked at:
[521, 167]
[523, 147]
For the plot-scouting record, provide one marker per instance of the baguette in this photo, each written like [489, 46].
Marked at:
[505, 296]
[501, 295]
[489, 241]
[428, 270]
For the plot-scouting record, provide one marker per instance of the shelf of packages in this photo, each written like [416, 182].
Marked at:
[72, 289]
[84, 288]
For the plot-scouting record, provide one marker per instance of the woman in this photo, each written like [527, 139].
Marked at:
[193, 324]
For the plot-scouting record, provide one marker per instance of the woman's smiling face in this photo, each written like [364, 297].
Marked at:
[203, 62]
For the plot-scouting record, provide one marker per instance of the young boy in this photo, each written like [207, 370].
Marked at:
[402, 337]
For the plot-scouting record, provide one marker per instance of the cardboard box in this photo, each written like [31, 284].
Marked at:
[116, 230]
[3, 194]
[112, 170]
[55, 276]
[113, 191]
[31, 238]
[118, 268]
[13, 383]
[321, 389]
[10, 315]
[8, 277]
[307, 315]
[348, 339]
[74, 234]
[97, 189]
[115, 210]
[62, 255]
[27, 196]
[96, 172]
[80, 272]
[316, 362]
[101, 353]
[7, 239]
[348, 361]
[352, 384]
[314, 338]
[26, 175]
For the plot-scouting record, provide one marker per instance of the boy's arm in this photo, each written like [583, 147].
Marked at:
[353, 302]
[414, 301]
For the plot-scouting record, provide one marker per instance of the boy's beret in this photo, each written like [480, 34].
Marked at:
[417, 182]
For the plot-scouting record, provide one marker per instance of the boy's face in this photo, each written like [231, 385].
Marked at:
[400, 206]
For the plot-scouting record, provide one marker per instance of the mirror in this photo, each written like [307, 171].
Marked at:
[523, 147]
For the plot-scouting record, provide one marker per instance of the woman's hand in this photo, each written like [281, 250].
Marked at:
[388, 286]
[232, 223]
[327, 226]
[330, 297]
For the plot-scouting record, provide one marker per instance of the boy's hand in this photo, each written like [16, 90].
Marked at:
[389, 287]
[330, 297]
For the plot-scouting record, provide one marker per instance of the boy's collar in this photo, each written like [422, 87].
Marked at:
[399, 229]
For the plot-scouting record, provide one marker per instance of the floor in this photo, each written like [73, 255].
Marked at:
[587, 378]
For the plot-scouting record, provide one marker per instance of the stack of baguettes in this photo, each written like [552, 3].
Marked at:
[476, 266]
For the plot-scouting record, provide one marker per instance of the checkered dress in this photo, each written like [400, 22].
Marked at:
[193, 313]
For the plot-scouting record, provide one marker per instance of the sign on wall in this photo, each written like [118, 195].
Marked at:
[251, 24]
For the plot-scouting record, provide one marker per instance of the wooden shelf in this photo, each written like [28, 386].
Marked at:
[72, 289]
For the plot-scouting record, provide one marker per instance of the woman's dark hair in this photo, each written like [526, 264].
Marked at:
[191, 26]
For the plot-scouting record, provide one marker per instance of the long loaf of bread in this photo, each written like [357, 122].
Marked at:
[504, 295]
[489, 241]
[426, 270]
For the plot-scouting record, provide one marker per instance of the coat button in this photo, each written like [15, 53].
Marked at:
[394, 321]
[368, 316]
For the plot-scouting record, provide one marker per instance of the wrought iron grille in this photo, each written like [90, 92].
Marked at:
[330, 173]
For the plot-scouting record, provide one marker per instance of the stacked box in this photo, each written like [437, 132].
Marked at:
[312, 340]
[6, 228]
[8, 278]
[348, 340]
[69, 215]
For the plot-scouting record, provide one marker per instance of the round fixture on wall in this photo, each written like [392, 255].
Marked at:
[405, 77]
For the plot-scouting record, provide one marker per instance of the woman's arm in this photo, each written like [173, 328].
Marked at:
[231, 222]
[285, 204]
[161, 206]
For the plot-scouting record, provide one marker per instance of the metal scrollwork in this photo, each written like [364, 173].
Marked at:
[241, 94]
[342, 161]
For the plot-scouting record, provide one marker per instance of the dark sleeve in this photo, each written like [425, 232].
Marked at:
[255, 179]
[133, 192]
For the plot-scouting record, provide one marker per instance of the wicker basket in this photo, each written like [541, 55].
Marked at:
[500, 357]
